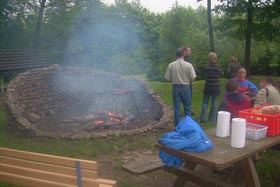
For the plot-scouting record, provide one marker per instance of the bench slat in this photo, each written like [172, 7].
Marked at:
[48, 176]
[47, 167]
[58, 160]
[106, 181]
[21, 59]
[23, 62]
[41, 170]
[30, 182]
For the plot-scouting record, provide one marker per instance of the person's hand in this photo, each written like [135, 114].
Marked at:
[249, 96]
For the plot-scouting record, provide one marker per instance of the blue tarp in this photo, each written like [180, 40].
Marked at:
[187, 136]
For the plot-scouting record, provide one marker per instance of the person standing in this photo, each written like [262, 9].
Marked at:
[267, 94]
[232, 67]
[187, 55]
[212, 87]
[187, 58]
[181, 74]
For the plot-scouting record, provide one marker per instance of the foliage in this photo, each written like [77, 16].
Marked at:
[16, 23]
[267, 167]
[128, 39]
[254, 20]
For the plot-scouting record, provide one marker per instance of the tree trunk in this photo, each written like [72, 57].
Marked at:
[210, 26]
[39, 24]
[247, 60]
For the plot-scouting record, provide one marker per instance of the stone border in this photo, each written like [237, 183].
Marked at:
[26, 126]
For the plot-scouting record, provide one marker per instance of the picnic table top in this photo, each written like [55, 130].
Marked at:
[223, 155]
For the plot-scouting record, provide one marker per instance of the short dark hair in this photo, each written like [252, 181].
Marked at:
[231, 85]
[268, 80]
[180, 52]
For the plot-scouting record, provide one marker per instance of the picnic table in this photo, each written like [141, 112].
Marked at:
[220, 157]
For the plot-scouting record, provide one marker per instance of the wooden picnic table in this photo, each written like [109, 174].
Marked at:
[220, 157]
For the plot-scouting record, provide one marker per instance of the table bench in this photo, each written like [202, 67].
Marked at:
[220, 157]
[41, 170]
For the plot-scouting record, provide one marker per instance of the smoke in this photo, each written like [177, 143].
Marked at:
[104, 43]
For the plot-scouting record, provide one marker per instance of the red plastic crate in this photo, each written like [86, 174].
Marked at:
[271, 121]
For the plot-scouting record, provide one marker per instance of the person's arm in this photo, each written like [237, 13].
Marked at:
[192, 73]
[167, 75]
[252, 87]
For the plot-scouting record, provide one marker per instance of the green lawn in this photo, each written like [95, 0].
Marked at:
[268, 168]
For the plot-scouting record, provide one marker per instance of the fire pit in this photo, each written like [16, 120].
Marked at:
[71, 102]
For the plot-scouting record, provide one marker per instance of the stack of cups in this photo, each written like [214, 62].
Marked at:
[238, 132]
[223, 124]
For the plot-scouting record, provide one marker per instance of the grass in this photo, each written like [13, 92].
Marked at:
[268, 168]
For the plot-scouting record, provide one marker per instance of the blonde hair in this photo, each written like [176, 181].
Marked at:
[233, 59]
[212, 58]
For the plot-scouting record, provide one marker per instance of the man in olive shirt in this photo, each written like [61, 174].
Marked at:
[181, 75]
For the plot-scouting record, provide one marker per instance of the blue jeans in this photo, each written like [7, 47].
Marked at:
[213, 112]
[181, 94]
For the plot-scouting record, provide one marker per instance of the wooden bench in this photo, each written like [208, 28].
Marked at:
[41, 170]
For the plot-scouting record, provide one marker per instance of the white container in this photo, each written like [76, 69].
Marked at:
[223, 123]
[255, 132]
[238, 132]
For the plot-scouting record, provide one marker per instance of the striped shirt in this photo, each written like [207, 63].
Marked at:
[212, 86]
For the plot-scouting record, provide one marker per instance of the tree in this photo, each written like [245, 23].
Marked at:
[247, 58]
[210, 26]
[39, 23]
[17, 23]
[237, 13]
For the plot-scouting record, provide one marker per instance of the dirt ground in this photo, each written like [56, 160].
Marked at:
[156, 178]
[110, 167]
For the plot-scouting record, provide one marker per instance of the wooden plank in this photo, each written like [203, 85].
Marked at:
[48, 176]
[25, 65]
[106, 181]
[16, 49]
[144, 164]
[91, 174]
[30, 182]
[40, 170]
[32, 173]
[21, 59]
[57, 160]
[16, 68]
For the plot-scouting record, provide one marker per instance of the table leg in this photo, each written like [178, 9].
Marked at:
[182, 179]
[249, 172]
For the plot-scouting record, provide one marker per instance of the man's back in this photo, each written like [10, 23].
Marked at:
[180, 72]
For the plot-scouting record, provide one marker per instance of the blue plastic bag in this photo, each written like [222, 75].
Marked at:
[188, 136]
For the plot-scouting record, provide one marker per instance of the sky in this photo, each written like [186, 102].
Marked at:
[159, 6]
